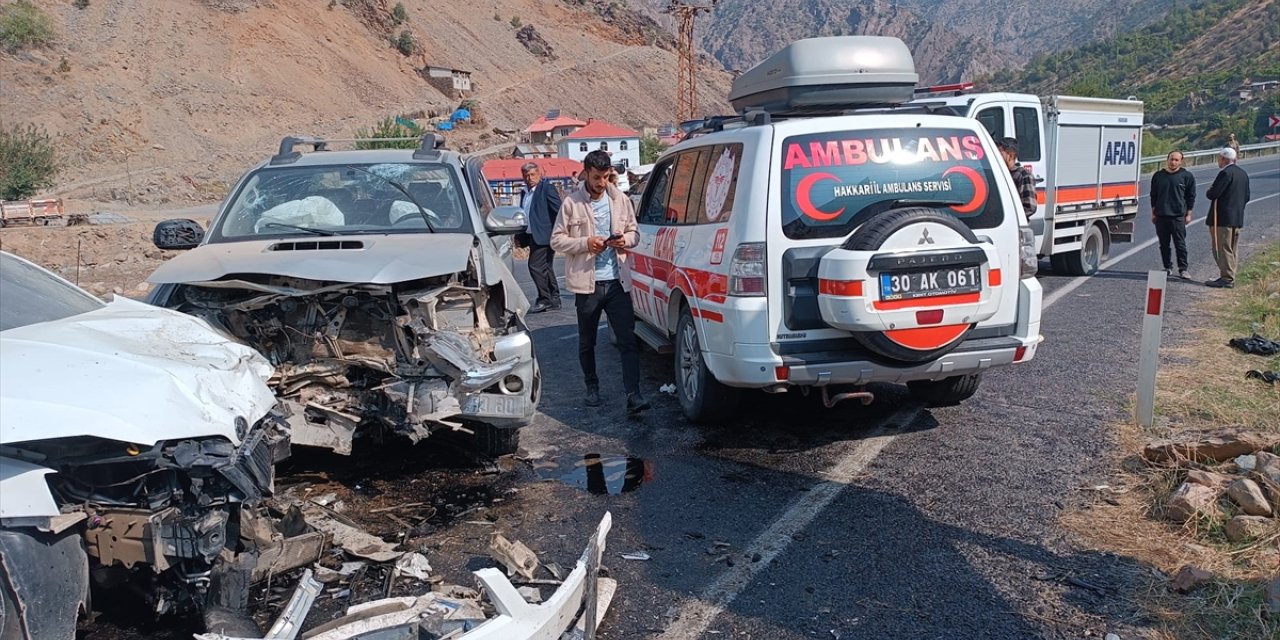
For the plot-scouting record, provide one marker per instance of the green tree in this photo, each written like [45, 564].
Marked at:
[389, 127]
[24, 25]
[650, 148]
[28, 161]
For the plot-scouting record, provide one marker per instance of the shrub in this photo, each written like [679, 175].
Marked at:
[398, 14]
[80, 4]
[28, 162]
[389, 127]
[405, 43]
[650, 148]
[23, 25]
[64, 66]
[515, 22]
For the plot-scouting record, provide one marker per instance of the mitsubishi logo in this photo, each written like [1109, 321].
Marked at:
[924, 238]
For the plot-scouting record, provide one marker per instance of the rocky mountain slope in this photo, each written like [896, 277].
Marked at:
[951, 39]
[160, 101]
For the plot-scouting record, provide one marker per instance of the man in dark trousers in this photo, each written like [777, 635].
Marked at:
[1173, 196]
[541, 203]
[596, 231]
[1227, 197]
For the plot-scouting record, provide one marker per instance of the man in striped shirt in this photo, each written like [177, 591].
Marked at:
[1022, 177]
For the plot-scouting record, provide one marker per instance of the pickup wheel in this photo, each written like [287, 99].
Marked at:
[10, 626]
[947, 391]
[703, 398]
[496, 441]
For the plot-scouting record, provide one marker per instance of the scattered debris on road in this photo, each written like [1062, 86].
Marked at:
[573, 611]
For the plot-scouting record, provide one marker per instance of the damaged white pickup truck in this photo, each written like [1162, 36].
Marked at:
[136, 448]
[375, 282]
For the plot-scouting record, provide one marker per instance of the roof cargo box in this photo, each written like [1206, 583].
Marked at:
[817, 73]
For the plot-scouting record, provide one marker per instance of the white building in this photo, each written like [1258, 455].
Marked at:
[623, 145]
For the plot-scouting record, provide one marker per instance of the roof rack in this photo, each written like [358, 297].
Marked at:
[429, 148]
[287, 154]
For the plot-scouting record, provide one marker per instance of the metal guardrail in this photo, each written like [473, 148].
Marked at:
[1192, 158]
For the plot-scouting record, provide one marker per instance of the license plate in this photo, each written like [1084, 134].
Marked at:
[928, 284]
[494, 405]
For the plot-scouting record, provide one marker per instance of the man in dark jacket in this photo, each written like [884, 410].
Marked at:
[1227, 197]
[1173, 196]
[541, 203]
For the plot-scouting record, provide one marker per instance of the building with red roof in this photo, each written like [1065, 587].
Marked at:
[622, 144]
[506, 179]
[551, 127]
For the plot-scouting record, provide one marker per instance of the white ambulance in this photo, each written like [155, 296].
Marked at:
[1084, 154]
[808, 245]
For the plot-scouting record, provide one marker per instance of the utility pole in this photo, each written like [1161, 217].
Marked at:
[687, 85]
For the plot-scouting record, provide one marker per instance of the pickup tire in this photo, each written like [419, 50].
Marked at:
[494, 441]
[947, 391]
[703, 398]
[870, 237]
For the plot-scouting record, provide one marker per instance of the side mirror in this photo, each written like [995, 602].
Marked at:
[178, 234]
[506, 220]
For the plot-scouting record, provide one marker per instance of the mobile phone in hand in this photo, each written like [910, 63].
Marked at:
[616, 236]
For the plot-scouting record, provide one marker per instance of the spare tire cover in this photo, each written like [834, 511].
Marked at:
[920, 344]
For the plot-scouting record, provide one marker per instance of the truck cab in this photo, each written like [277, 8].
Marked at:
[1084, 155]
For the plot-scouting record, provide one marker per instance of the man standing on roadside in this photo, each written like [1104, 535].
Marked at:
[541, 203]
[1022, 177]
[1173, 197]
[597, 225]
[1227, 197]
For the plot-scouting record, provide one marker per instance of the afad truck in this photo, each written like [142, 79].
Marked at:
[1084, 154]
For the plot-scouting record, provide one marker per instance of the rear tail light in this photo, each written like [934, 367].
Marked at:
[1027, 258]
[932, 316]
[782, 373]
[1019, 354]
[747, 270]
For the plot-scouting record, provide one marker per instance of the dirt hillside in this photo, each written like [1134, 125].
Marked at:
[164, 102]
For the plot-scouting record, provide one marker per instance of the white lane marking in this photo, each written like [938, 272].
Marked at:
[694, 617]
[1078, 282]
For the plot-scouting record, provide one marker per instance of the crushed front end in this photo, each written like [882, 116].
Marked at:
[406, 358]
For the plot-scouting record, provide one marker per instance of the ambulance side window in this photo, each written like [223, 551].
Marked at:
[681, 187]
[1026, 127]
[653, 209]
[720, 183]
[697, 185]
[992, 119]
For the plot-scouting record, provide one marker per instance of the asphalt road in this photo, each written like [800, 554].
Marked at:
[889, 521]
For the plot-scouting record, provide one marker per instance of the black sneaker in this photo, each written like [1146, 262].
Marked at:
[636, 403]
[539, 308]
[1220, 284]
[592, 397]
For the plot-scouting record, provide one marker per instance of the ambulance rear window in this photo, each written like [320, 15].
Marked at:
[834, 181]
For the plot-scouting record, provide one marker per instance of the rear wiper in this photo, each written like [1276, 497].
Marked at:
[399, 187]
[281, 225]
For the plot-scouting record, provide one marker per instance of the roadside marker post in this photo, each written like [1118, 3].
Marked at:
[1149, 355]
